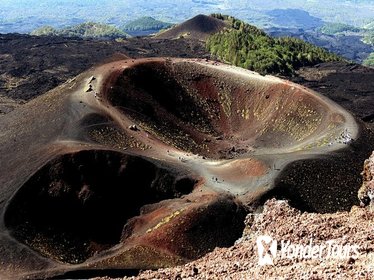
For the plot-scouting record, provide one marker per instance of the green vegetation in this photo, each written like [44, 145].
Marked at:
[369, 37]
[369, 33]
[370, 60]
[369, 25]
[84, 30]
[335, 28]
[146, 23]
[44, 31]
[249, 47]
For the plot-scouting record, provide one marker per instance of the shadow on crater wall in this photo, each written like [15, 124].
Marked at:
[77, 205]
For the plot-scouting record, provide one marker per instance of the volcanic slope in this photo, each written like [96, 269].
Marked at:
[199, 27]
[155, 174]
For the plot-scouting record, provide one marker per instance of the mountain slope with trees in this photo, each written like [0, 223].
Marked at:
[249, 47]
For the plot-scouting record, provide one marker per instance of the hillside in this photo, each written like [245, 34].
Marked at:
[199, 27]
[294, 18]
[249, 47]
[84, 30]
[369, 25]
[349, 46]
[333, 28]
[146, 23]
[370, 60]
[369, 37]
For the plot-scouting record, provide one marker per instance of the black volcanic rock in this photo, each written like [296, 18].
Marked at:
[30, 65]
[348, 84]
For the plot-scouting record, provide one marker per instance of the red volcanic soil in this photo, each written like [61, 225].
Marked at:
[150, 163]
[199, 27]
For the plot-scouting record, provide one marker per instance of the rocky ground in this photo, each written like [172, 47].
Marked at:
[349, 85]
[354, 228]
[281, 222]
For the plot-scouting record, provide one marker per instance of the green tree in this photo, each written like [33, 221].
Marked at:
[370, 60]
[246, 46]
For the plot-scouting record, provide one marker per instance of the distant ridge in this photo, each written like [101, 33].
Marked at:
[199, 27]
[146, 23]
[83, 30]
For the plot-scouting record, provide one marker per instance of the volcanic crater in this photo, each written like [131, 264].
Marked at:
[154, 162]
